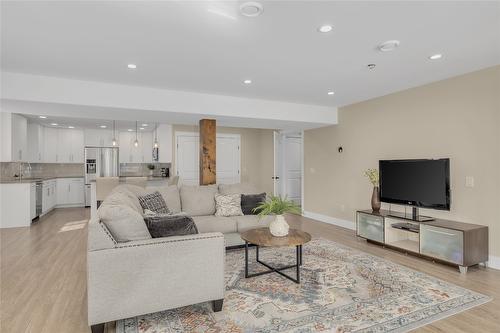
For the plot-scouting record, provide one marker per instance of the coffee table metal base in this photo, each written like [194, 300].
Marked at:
[298, 263]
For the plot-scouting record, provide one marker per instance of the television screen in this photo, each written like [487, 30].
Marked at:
[419, 183]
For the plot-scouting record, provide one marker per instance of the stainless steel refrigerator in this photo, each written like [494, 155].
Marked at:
[100, 162]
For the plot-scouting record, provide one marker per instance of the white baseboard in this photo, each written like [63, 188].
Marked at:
[493, 261]
[330, 220]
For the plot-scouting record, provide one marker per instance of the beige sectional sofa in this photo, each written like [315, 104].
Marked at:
[129, 273]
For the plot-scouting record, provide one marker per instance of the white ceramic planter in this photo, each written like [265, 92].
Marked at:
[279, 227]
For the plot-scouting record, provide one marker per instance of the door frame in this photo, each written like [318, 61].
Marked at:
[178, 134]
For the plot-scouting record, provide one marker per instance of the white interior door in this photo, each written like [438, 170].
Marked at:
[227, 159]
[278, 163]
[187, 159]
[288, 165]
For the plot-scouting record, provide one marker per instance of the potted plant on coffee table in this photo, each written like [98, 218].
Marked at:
[276, 205]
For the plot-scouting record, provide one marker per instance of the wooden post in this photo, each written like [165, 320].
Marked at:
[207, 151]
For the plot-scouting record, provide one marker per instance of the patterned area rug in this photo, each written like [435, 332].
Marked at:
[342, 290]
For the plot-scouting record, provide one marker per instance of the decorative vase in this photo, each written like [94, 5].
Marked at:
[376, 199]
[279, 227]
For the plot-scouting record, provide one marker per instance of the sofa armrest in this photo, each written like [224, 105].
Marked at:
[146, 276]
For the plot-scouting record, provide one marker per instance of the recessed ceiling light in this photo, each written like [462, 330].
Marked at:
[389, 45]
[141, 128]
[54, 124]
[247, 81]
[42, 117]
[145, 125]
[325, 28]
[371, 66]
[103, 126]
[436, 56]
[132, 66]
[331, 93]
[71, 126]
[130, 130]
[251, 9]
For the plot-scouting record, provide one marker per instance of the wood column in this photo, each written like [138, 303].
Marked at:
[207, 151]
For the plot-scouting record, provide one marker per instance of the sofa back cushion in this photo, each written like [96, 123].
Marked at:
[198, 200]
[124, 223]
[239, 188]
[126, 195]
[171, 196]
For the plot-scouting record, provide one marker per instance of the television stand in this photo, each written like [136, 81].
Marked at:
[451, 242]
[415, 216]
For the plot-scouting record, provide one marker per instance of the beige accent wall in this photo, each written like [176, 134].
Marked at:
[457, 118]
[257, 161]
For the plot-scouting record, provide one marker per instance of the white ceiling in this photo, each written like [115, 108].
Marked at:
[207, 46]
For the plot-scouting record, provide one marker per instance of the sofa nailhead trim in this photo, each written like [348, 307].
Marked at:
[108, 233]
[168, 241]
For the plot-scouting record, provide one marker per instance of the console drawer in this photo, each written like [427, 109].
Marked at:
[370, 227]
[441, 243]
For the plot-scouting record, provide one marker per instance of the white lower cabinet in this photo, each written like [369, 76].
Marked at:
[48, 195]
[70, 192]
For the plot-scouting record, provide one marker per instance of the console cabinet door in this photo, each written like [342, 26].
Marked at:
[370, 227]
[441, 243]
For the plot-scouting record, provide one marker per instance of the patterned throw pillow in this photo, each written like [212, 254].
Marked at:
[154, 202]
[228, 205]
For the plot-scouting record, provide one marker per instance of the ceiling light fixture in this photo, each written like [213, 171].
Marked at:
[114, 132]
[71, 126]
[388, 46]
[132, 66]
[42, 117]
[103, 126]
[331, 93]
[371, 66]
[136, 142]
[247, 81]
[144, 125]
[155, 145]
[130, 130]
[54, 124]
[251, 9]
[325, 28]
[436, 56]
[141, 128]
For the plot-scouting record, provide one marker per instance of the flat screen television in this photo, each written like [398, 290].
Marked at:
[417, 183]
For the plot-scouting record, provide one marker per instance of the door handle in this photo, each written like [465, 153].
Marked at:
[275, 177]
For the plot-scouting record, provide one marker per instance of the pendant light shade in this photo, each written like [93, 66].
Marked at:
[155, 145]
[114, 136]
[136, 142]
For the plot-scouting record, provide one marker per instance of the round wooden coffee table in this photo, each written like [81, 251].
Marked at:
[262, 237]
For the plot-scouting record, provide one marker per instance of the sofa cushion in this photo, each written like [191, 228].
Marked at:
[248, 222]
[154, 202]
[228, 205]
[122, 196]
[251, 201]
[239, 188]
[162, 225]
[198, 200]
[211, 223]
[124, 223]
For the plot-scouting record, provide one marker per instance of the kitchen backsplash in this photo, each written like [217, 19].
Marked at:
[141, 169]
[44, 170]
[39, 170]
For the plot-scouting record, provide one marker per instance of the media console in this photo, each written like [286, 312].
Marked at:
[452, 242]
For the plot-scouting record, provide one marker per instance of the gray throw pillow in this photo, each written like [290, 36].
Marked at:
[251, 201]
[154, 202]
[161, 225]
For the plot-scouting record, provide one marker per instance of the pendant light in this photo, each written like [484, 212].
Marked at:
[136, 142]
[156, 136]
[114, 136]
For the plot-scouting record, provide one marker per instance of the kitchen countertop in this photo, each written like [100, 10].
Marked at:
[148, 178]
[33, 180]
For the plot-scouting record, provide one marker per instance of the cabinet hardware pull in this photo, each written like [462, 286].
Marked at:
[441, 232]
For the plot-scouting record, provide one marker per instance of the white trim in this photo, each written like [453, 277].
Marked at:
[494, 262]
[302, 173]
[330, 220]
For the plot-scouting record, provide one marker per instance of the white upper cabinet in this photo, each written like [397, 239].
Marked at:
[98, 138]
[14, 137]
[147, 147]
[164, 143]
[50, 136]
[124, 144]
[69, 146]
[35, 143]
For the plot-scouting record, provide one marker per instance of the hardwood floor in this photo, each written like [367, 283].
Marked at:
[43, 276]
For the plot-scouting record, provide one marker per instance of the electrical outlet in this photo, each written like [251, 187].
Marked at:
[469, 181]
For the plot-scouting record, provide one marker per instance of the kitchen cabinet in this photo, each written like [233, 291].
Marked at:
[129, 153]
[49, 195]
[70, 191]
[70, 146]
[35, 143]
[147, 147]
[14, 138]
[164, 133]
[32, 200]
[98, 138]
[50, 136]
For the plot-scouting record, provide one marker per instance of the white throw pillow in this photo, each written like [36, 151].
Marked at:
[228, 205]
[124, 223]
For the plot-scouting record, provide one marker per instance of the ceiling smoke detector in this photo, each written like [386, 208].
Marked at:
[390, 45]
[251, 9]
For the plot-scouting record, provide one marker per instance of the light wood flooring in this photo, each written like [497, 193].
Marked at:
[43, 276]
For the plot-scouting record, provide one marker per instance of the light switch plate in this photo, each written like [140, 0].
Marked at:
[469, 181]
